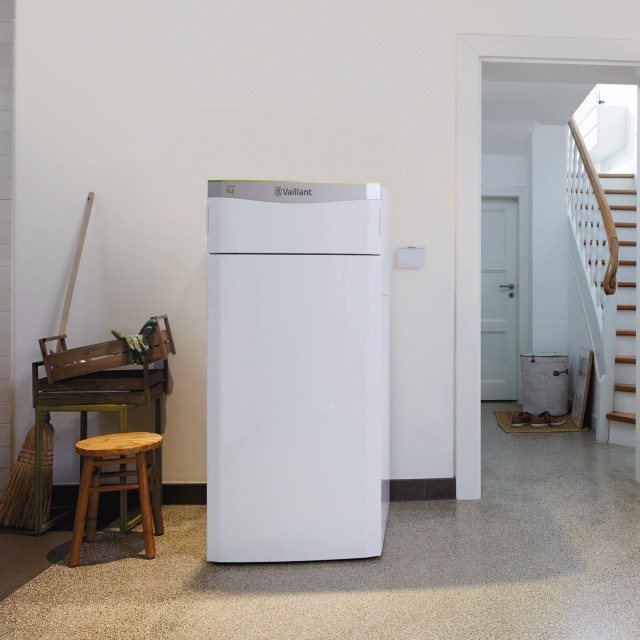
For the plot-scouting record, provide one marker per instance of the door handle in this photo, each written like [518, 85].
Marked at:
[507, 286]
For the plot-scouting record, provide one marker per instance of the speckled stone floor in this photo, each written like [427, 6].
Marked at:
[551, 551]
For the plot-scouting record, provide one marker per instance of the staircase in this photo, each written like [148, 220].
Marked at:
[620, 190]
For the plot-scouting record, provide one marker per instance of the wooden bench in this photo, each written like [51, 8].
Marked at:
[100, 378]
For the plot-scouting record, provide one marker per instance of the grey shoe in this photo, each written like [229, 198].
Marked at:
[523, 419]
[545, 419]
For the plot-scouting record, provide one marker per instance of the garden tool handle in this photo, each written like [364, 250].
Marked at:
[74, 268]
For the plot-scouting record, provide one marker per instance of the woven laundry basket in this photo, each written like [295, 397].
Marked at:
[544, 383]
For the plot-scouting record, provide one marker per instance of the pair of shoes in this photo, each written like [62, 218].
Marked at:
[523, 419]
[545, 419]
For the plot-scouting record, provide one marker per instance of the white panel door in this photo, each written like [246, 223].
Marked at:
[499, 298]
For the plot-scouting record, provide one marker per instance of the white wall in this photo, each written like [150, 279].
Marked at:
[579, 337]
[504, 170]
[625, 160]
[143, 102]
[549, 238]
[6, 234]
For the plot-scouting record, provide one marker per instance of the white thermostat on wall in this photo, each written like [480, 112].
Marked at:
[411, 257]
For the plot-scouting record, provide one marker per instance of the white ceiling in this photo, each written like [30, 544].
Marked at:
[516, 96]
[564, 73]
[543, 102]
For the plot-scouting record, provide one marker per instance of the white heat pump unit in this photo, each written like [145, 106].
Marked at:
[297, 371]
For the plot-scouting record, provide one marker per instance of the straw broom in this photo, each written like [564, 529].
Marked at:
[17, 503]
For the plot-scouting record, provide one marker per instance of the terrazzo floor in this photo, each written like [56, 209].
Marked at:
[552, 550]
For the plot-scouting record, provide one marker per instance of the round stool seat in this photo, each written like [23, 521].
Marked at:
[118, 444]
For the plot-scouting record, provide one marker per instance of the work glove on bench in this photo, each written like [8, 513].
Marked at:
[138, 343]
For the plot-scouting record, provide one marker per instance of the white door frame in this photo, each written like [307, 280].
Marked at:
[472, 50]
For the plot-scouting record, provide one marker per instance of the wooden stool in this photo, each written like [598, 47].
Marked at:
[113, 449]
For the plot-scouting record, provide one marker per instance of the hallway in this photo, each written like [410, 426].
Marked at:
[552, 550]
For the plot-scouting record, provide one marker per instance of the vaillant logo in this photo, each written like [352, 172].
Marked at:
[231, 189]
[292, 191]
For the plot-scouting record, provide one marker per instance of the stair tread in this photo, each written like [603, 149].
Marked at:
[627, 285]
[621, 243]
[621, 416]
[615, 224]
[616, 175]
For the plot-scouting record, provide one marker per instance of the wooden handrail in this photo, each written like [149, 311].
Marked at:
[611, 271]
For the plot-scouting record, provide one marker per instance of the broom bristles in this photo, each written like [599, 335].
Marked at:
[17, 503]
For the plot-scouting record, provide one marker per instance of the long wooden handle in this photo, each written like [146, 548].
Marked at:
[74, 267]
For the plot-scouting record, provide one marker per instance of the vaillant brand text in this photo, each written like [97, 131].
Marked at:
[284, 191]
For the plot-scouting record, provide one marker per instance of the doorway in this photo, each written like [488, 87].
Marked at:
[613, 60]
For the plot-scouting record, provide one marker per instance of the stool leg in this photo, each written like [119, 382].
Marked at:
[92, 509]
[81, 512]
[145, 506]
[123, 428]
[158, 525]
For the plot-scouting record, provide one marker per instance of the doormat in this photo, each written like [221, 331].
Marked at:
[504, 422]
